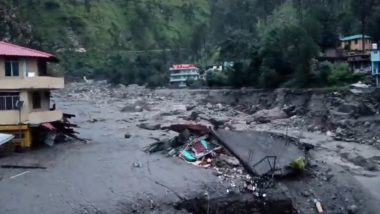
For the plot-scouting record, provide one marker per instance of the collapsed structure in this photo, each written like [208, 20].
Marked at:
[25, 85]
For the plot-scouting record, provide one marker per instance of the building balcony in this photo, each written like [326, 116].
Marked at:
[40, 82]
[178, 79]
[13, 117]
[185, 73]
[44, 117]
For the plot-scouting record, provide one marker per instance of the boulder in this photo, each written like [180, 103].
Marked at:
[352, 209]
[150, 126]
[230, 160]
[347, 108]
[136, 106]
[364, 110]
[290, 110]
[266, 116]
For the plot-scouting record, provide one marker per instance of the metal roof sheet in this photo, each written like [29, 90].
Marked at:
[5, 138]
[8, 49]
[358, 36]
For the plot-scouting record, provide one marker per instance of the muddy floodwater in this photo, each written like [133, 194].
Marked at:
[111, 173]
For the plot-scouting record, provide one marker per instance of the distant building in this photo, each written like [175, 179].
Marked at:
[181, 74]
[375, 60]
[25, 93]
[354, 43]
[351, 51]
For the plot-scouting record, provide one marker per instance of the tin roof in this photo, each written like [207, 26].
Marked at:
[8, 49]
[353, 37]
[5, 138]
[183, 67]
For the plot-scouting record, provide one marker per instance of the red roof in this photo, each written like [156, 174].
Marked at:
[183, 67]
[8, 49]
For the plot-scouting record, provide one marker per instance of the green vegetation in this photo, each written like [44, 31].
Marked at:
[273, 42]
[298, 164]
[128, 41]
[281, 48]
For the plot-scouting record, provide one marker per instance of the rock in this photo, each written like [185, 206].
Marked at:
[150, 126]
[347, 108]
[128, 108]
[254, 109]
[219, 106]
[138, 109]
[189, 108]
[265, 116]
[194, 115]
[340, 132]
[290, 110]
[352, 209]
[209, 105]
[305, 193]
[127, 135]
[136, 106]
[250, 120]
[137, 165]
[330, 133]
[230, 160]
[95, 120]
[262, 120]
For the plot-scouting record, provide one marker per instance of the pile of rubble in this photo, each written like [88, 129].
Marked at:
[197, 146]
[201, 146]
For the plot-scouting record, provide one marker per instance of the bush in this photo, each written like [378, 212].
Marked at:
[196, 83]
[340, 74]
[216, 79]
[268, 78]
[321, 74]
[51, 5]
[156, 80]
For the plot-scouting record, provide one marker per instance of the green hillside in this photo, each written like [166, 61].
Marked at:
[274, 42]
[86, 32]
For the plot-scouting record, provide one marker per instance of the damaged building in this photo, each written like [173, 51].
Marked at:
[25, 85]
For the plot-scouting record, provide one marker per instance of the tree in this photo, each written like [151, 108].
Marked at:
[286, 47]
[363, 9]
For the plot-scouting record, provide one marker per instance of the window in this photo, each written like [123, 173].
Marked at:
[36, 96]
[8, 100]
[12, 68]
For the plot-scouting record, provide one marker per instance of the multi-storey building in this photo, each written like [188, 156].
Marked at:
[25, 87]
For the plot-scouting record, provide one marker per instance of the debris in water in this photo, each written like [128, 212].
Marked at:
[18, 175]
[137, 165]
[22, 167]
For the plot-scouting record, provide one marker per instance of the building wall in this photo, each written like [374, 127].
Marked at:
[375, 68]
[25, 66]
[357, 45]
[375, 56]
[32, 66]
[27, 86]
[13, 117]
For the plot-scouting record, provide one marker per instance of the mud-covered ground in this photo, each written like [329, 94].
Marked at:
[112, 174]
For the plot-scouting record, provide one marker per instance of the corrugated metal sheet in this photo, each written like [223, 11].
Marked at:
[8, 49]
[353, 37]
[5, 138]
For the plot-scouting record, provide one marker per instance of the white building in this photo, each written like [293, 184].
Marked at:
[180, 74]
